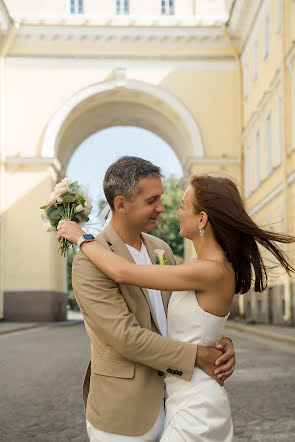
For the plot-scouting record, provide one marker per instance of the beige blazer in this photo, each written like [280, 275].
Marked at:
[123, 385]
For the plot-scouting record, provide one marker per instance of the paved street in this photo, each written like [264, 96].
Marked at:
[41, 373]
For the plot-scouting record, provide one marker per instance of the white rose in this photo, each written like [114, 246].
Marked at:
[48, 227]
[88, 204]
[51, 200]
[67, 180]
[60, 188]
[59, 200]
[79, 208]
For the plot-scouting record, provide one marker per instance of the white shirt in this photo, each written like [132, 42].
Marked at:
[142, 257]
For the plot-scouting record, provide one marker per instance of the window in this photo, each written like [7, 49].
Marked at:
[268, 145]
[246, 80]
[266, 36]
[278, 15]
[247, 164]
[76, 6]
[167, 7]
[280, 129]
[257, 160]
[255, 60]
[122, 7]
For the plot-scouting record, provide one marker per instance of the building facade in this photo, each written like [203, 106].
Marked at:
[215, 79]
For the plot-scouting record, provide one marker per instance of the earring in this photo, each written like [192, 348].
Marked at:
[201, 232]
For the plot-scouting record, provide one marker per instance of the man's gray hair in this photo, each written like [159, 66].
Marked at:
[122, 177]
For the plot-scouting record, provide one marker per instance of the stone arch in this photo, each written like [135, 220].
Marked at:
[122, 102]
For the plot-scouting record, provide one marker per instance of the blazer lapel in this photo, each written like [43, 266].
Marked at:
[118, 246]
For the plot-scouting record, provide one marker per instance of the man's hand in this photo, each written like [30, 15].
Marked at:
[205, 359]
[226, 362]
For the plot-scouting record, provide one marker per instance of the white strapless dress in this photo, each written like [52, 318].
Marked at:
[196, 410]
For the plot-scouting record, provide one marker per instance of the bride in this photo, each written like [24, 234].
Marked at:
[225, 239]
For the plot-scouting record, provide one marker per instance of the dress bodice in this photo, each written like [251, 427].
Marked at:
[188, 322]
[198, 409]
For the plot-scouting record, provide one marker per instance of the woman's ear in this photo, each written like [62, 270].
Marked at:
[203, 219]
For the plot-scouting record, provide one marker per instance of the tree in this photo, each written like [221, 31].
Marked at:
[168, 223]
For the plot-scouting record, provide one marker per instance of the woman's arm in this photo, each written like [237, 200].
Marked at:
[193, 276]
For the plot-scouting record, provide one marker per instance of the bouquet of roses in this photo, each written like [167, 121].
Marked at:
[67, 201]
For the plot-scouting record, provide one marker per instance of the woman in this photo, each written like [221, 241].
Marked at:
[228, 261]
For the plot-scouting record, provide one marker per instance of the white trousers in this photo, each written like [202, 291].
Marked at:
[154, 435]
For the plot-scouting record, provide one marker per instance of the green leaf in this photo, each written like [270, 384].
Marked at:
[68, 197]
[74, 187]
[43, 207]
[55, 215]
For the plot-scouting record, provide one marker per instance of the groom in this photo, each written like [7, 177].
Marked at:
[123, 388]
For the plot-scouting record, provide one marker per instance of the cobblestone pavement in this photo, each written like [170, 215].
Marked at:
[41, 372]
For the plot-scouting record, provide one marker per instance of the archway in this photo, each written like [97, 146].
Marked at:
[122, 102]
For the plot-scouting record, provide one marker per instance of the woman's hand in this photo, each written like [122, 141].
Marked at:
[69, 230]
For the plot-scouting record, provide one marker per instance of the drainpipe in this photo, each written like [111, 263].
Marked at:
[3, 52]
[241, 107]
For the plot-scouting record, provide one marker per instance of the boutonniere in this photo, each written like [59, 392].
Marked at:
[161, 258]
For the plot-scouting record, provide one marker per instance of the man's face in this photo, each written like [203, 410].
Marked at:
[143, 212]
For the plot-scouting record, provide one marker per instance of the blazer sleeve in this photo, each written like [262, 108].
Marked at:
[101, 302]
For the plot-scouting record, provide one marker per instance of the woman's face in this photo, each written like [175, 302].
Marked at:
[189, 220]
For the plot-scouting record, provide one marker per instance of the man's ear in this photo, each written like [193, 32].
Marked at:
[119, 204]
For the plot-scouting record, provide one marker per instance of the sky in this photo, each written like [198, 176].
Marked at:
[92, 158]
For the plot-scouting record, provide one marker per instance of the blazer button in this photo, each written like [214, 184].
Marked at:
[160, 373]
[169, 370]
[180, 373]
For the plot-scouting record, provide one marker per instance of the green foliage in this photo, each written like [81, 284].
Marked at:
[168, 223]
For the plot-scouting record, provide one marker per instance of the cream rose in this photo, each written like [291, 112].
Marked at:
[51, 200]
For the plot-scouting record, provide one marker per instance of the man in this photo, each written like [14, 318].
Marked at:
[130, 353]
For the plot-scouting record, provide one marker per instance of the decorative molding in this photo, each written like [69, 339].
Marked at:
[218, 161]
[270, 196]
[127, 62]
[264, 101]
[118, 20]
[113, 90]
[41, 35]
[33, 161]
[291, 57]
[5, 19]
[261, 11]
[241, 19]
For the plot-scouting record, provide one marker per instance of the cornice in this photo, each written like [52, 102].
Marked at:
[208, 161]
[261, 12]
[5, 19]
[113, 21]
[241, 19]
[33, 162]
[54, 35]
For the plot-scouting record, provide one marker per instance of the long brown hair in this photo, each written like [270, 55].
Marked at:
[237, 233]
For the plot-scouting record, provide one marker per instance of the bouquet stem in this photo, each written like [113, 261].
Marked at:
[64, 246]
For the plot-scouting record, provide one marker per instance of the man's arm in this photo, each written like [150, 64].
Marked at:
[101, 301]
